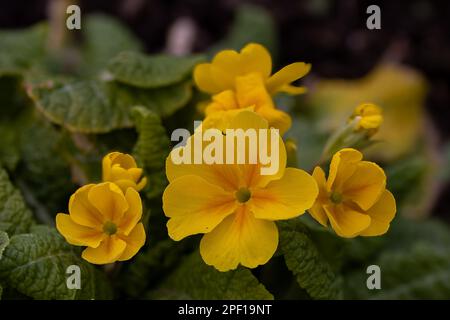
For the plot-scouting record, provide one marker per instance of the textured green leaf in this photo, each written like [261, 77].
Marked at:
[35, 264]
[423, 272]
[99, 48]
[20, 48]
[310, 268]
[44, 175]
[96, 106]
[15, 217]
[152, 148]
[143, 71]
[251, 24]
[4, 241]
[196, 280]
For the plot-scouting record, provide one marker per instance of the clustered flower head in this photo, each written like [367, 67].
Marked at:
[244, 80]
[105, 217]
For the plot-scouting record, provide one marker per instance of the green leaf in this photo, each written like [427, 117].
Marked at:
[311, 270]
[99, 48]
[144, 71]
[96, 106]
[35, 264]
[15, 217]
[151, 149]
[423, 272]
[251, 24]
[21, 48]
[196, 280]
[4, 241]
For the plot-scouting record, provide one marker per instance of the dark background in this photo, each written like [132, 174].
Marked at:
[330, 34]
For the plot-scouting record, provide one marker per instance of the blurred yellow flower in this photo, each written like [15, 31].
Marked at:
[368, 115]
[121, 169]
[106, 221]
[354, 198]
[399, 90]
[234, 205]
[250, 94]
[227, 65]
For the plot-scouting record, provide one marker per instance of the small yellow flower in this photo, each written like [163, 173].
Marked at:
[106, 221]
[234, 205]
[121, 169]
[227, 65]
[250, 94]
[368, 115]
[354, 198]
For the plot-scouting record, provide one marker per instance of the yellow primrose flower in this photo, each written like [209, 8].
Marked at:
[354, 198]
[250, 94]
[106, 221]
[368, 115]
[227, 65]
[121, 169]
[234, 205]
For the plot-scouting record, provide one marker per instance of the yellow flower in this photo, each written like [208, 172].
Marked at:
[250, 94]
[121, 169]
[227, 65]
[354, 198]
[368, 115]
[106, 221]
[234, 205]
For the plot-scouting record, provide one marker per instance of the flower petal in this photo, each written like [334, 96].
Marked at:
[287, 75]
[195, 206]
[135, 240]
[134, 212]
[365, 185]
[76, 234]
[382, 213]
[108, 251]
[251, 91]
[317, 211]
[82, 211]
[286, 198]
[239, 239]
[342, 166]
[109, 200]
[345, 221]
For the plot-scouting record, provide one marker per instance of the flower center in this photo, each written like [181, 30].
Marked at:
[109, 228]
[336, 197]
[243, 195]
